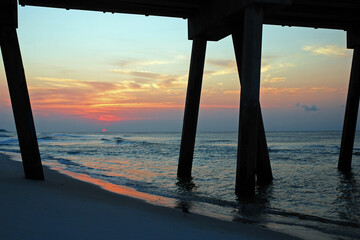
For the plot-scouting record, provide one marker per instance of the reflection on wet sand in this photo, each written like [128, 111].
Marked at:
[184, 188]
[120, 189]
[347, 197]
[254, 210]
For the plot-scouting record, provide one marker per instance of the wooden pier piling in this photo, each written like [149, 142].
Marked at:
[191, 108]
[249, 101]
[19, 93]
[263, 166]
[352, 105]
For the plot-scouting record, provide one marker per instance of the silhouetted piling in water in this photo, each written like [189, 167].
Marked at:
[249, 101]
[191, 108]
[263, 166]
[352, 104]
[19, 93]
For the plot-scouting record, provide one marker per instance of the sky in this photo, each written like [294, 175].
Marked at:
[88, 71]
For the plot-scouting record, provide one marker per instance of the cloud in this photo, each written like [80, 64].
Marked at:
[273, 65]
[144, 74]
[154, 80]
[299, 91]
[224, 67]
[283, 91]
[137, 62]
[327, 50]
[276, 91]
[307, 108]
[106, 101]
[265, 67]
[313, 108]
[225, 63]
[269, 79]
[227, 66]
[232, 92]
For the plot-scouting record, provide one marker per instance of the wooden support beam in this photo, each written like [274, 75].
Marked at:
[20, 103]
[351, 112]
[182, 9]
[263, 166]
[249, 102]
[8, 13]
[191, 108]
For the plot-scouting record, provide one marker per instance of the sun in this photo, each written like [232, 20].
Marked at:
[104, 130]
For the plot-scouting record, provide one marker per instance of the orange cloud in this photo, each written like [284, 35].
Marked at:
[224, 63]
[292, 91]
[103, 101]
[144, 74]
[269, 79]
[226, 66]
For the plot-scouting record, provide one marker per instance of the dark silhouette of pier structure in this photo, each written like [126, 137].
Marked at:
[208, 20]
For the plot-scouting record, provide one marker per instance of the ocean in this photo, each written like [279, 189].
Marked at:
[308, 198]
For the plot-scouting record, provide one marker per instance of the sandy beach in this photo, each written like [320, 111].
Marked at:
[65, 208]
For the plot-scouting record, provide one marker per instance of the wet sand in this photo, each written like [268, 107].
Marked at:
[62, 207]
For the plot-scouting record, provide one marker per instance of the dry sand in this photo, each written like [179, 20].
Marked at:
[65, 208]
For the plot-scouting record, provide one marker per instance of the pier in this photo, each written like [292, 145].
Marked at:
[208, 20]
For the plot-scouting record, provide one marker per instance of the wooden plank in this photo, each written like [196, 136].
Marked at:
[8, 13]
[326, 3]
[191, 108]
[249, 102]
[20, 103]
[177, 8]
[314, 16]
[213, 19]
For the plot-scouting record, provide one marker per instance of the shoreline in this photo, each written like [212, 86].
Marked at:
[146, 197]
[63, 207]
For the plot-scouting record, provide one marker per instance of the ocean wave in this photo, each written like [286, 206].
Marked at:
[327, 230]
[75, 167]
[69, 135]
[74, 152]
[46, 138]
[4, 135]
[316, 146]
[307, 217]
[10, 150]
[119, 139]
[8, 142]
[220, 141]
